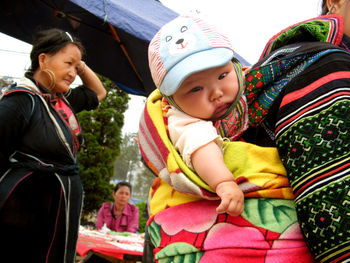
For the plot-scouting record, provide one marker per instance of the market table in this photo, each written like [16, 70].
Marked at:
[112, 246]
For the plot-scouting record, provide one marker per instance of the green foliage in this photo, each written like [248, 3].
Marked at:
[102, 129]
[142, 219]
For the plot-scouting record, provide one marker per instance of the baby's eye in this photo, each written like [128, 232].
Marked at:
[196, 89]
[69, 63]
[222, 75]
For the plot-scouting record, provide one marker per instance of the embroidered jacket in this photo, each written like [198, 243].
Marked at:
[303, 109]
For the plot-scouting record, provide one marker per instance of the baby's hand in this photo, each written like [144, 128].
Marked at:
[232, 198]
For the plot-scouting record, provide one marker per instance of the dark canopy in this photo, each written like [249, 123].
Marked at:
[115, 33]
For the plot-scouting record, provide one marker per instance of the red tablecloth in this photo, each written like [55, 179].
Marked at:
[104, 245]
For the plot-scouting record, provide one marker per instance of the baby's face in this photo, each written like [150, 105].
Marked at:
[209, 93]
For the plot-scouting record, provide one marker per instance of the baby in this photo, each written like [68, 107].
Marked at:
[193, 66]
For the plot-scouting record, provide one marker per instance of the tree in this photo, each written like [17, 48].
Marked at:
[142, 218]
[102, 137]
[128, 160]
[129, 167]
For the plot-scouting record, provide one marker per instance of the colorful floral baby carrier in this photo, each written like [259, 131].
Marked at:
[183, 224]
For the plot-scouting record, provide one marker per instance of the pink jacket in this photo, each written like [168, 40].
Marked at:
[127, 222]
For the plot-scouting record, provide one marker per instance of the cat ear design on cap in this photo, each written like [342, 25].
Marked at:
[184, 46]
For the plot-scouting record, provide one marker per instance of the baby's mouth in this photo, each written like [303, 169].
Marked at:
[221, 110]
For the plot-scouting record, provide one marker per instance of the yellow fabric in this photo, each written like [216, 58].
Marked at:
[163, 196]
[261, 166]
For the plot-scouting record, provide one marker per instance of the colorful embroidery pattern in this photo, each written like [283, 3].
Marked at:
[322, 190]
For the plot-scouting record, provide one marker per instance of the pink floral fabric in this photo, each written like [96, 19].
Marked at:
[194, 232]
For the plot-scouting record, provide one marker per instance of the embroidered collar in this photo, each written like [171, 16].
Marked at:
[328, 28]
[288, 54]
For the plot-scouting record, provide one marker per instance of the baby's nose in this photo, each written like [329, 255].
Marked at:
[216, 94]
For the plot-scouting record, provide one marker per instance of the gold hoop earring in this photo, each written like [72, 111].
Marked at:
[51, 77]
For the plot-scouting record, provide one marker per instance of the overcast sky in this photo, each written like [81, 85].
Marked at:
[249, 24]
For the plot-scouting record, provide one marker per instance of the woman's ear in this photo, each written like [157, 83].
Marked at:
[332, 5]
[41, 60]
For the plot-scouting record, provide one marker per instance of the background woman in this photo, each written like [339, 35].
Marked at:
[119, 215]
[40, 190]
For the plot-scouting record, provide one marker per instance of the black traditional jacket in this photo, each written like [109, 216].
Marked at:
[36, 137]
[300, 92]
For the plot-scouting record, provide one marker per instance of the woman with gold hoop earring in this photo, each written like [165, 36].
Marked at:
[40, 188]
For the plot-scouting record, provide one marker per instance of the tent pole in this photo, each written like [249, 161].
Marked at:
[116, 37]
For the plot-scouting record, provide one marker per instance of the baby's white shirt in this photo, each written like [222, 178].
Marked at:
[189, 134]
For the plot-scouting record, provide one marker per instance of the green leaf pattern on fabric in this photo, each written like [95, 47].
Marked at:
[272, 214]
[154, 233]
[179, 252]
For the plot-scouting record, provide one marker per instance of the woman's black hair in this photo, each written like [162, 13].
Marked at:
[120, 184]
[50, 41]
[324, 8]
